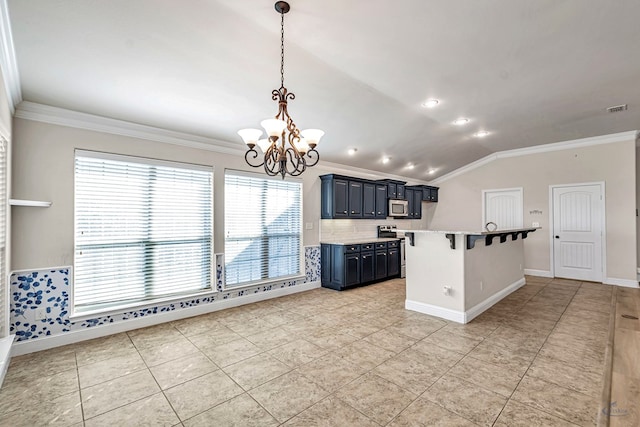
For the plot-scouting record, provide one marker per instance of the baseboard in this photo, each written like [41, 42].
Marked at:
[434, 310]
[539, 273]
[45, 343]
[627, 283]
[5, 355]
[481, 307]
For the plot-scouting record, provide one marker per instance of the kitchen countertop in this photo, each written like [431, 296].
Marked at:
[359, 241]
[474, 233]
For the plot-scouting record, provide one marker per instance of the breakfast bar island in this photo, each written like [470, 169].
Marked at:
[456, 275]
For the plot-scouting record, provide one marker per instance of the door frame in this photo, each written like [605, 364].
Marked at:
[484, 208]
[603, 225]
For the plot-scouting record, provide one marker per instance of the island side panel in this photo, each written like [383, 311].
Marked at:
[432, 265]
[491, 273]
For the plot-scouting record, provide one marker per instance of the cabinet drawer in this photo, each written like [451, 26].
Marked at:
[381, 245]
[351, 249]
[367, 246]
[393, 244]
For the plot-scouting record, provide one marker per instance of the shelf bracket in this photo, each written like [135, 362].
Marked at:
[409, 236]
[452, 240]
[471, 240]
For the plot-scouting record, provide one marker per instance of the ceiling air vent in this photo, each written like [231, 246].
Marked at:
[617, 108]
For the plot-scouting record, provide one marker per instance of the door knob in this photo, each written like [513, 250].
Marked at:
[557, 237]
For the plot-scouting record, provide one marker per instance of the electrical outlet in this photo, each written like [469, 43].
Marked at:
[41, 313]
[535, 224]
[308, 226]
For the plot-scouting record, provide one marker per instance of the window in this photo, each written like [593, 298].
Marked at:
[263, 228]
[143, 230]
[4, 293]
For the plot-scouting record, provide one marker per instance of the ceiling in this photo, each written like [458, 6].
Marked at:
[530, 72]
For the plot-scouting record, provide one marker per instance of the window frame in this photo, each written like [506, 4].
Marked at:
[106, 309]
[301, 265]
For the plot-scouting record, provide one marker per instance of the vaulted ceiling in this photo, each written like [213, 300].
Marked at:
[529, 72]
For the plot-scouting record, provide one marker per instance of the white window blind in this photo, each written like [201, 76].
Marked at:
[4, 292]
[143, 230]
[263, 228]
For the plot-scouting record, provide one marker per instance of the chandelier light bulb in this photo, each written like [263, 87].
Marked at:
[312, 136]
[250, 136]
[302, 146]
[274, 127]
[264, 144]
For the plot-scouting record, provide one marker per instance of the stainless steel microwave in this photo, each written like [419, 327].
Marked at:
[398, 207]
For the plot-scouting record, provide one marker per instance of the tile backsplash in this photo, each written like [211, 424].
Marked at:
[340, 229]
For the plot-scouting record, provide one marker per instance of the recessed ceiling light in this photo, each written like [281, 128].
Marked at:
[410, 166]
[430, 103]
[461, 121]
[481, 134]
[386, 159]
[352, 151]
[432, 171]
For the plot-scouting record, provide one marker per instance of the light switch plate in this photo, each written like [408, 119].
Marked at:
[308, 226]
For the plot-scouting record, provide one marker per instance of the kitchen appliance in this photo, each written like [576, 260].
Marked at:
[398, 208]
[391, 231]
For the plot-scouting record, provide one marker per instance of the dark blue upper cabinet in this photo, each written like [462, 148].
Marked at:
[401, 191]
[368, 200]
[355, 199]
[381, 201]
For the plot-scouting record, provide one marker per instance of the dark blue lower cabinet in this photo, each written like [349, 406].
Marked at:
[352, 269]
[393, 262]
[381, 264]
[367, 267]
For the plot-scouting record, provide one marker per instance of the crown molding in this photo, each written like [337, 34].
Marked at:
[63, 117]
[537, 149]
[8, 61]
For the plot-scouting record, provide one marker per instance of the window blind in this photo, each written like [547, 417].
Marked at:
[263, 228]
[143, 230]
[4, 291]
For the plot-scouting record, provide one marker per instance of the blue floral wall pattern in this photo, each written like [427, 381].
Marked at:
[46, 292]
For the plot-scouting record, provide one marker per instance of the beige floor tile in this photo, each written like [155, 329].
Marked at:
[241, 411]
[62, 411]
[416, 328]
[231, 352]
[156, 355]
[518, 415]
[181, 370]
[364, 354]
[256, 370]
[110, 369]
[104, 348]
[466, 399]
[453, 342]
[477, 328]
[558, 401]
[213, 338]
[408, 372]
[121, 391]
[391, 340]
[331, 339]
[495, 378]
[248, 327]
[288, 395]
[297, 353]
[154, 335]
[377, 398]
[433, 356]
[148, 412]
[15, 392]
[586, 381]
[506, 336]
[200, 394]
[423, 413]
[272, 338]
[517, 360]
[196, 325]
[360, 329]
[331, 372]
[330, 412]
[30, 367]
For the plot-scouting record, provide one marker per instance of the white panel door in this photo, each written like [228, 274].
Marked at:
[503, 207]
[577, 232]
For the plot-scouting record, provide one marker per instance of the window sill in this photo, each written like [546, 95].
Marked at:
[226, 288]
[103, 312]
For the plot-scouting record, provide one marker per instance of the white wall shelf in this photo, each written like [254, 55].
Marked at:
[35, 203]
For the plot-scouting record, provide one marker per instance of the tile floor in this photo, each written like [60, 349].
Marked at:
[327, 358]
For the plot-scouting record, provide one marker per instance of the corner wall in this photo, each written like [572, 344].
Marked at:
[460, 199]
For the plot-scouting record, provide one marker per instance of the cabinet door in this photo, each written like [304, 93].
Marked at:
[381, 201]
[393, 262]
[368, 200]
[325, 263]
[401, 192]
[410, 200]
[392, 191]
[367, 267]
[352, 269]
[340, 198]
[381, 264]
[434, 194]
[417, 204]
[426, 194]
[355, 199]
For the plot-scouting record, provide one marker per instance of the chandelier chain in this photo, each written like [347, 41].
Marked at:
[282, 49]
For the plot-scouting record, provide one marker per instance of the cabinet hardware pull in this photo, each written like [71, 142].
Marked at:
[344, 211]
[353, 211]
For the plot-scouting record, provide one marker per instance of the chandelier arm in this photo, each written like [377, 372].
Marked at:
[251, 160]
[297, 162]
[270, 163]
[312, 153]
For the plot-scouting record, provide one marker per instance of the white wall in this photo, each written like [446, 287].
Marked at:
[460, 198]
